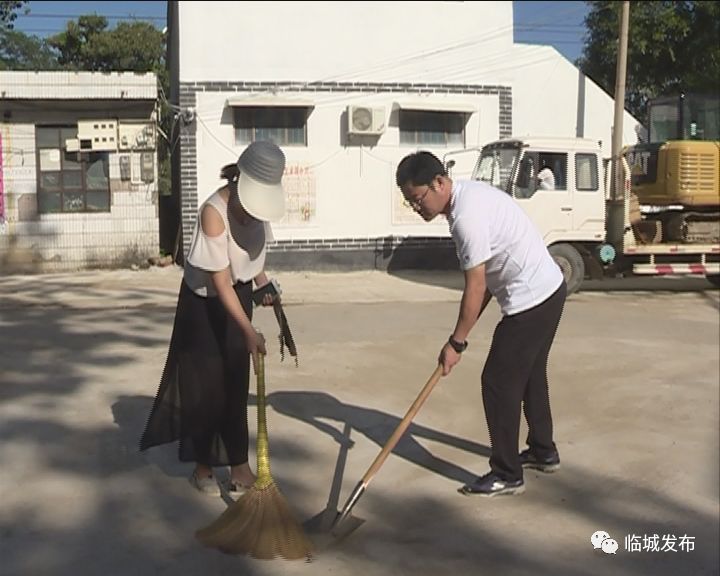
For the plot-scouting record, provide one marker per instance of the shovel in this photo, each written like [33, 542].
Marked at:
[344, 522]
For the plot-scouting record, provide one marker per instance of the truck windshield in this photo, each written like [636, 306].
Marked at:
[495, 166]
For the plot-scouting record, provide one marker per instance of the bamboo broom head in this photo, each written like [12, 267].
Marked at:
[260, 523]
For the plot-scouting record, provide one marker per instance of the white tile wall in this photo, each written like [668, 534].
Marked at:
[129, 233]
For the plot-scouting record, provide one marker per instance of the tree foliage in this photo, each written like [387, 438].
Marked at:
[8, 12]
[88, 45]
[673, 47]
[19, 51]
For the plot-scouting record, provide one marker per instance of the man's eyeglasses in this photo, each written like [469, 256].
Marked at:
[418, 204]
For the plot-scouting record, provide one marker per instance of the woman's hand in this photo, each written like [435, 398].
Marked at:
[269, 299]
[261, 280]
[255, 342]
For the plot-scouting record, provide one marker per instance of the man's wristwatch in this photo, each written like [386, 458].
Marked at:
[459, 347]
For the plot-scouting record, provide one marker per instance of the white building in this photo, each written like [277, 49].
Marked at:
[347, 89]
[78, 170]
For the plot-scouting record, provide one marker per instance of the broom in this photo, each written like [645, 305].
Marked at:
[260, 523]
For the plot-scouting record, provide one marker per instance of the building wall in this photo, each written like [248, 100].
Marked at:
[343, 202]
[551, 97]
[341, 191]
[33, 242]
[385, 42]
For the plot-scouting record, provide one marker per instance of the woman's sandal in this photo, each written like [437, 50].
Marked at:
[234, 488]
[207, 485]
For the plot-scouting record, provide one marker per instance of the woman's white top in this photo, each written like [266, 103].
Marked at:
[241, 247]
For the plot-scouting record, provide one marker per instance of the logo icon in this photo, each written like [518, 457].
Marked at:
[597, 538]
[601, 539]
[609, 546]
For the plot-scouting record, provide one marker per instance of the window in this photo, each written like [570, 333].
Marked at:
[69, 181]
[495, 166]
[432, 128]
[541, 171]
[283, 125]
[557, 163]
[586, 172]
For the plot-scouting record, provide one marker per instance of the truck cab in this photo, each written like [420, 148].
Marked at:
[559, 184]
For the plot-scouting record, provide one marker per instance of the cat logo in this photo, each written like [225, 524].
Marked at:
[639, 161]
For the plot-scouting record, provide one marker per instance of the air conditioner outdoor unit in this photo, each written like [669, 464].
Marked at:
[364, 120]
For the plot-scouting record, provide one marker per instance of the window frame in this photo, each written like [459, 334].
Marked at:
[83, 159]
[286, 124]
[430, 117]
[594, 166]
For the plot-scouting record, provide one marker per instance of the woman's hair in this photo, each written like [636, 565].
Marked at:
[230, 173]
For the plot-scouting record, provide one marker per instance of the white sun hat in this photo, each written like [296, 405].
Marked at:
[259, 185]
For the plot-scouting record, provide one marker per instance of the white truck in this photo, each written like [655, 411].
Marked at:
[588, 234]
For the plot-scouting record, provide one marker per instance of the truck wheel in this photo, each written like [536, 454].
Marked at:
[571, 264]
[714, 279]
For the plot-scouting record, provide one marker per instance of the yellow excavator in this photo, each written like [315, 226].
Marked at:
[676, 171]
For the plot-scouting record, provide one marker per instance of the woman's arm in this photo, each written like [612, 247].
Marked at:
[213, 225]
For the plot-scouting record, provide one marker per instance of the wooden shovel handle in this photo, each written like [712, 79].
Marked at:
[400, 430]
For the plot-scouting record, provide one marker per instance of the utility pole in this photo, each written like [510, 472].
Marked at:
[616, 211]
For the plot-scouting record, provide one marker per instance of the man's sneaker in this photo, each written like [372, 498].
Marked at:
[207, 484]
[548, 464]
[492, 485]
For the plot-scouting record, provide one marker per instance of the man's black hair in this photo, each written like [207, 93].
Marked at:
[419, 168]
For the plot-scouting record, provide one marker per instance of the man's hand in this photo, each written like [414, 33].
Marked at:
[448, 358]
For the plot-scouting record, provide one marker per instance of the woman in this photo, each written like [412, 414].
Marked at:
[203, 393]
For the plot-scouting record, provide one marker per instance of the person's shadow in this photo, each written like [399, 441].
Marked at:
[314, 407]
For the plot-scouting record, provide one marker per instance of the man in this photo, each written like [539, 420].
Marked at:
[546, 179]
[503, 255]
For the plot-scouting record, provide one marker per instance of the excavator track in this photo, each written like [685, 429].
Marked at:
[692, 227]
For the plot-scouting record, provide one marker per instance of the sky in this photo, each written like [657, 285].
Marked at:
[559, 24]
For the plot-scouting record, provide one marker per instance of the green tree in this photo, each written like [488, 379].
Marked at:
[8, 12]
[18, 51]
[131, 46]
[673, 47]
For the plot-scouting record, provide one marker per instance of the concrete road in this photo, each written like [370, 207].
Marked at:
[634, 386]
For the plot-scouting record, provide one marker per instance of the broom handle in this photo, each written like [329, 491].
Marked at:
[263, 455]
[400, 430]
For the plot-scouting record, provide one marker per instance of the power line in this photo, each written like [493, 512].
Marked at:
[39, 30]
[73, 16]
[551, 28]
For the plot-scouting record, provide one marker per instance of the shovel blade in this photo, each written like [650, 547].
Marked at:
[345, 527]
[323, 522]
[325, 530]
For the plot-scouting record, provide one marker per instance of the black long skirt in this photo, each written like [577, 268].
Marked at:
[202, 398]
